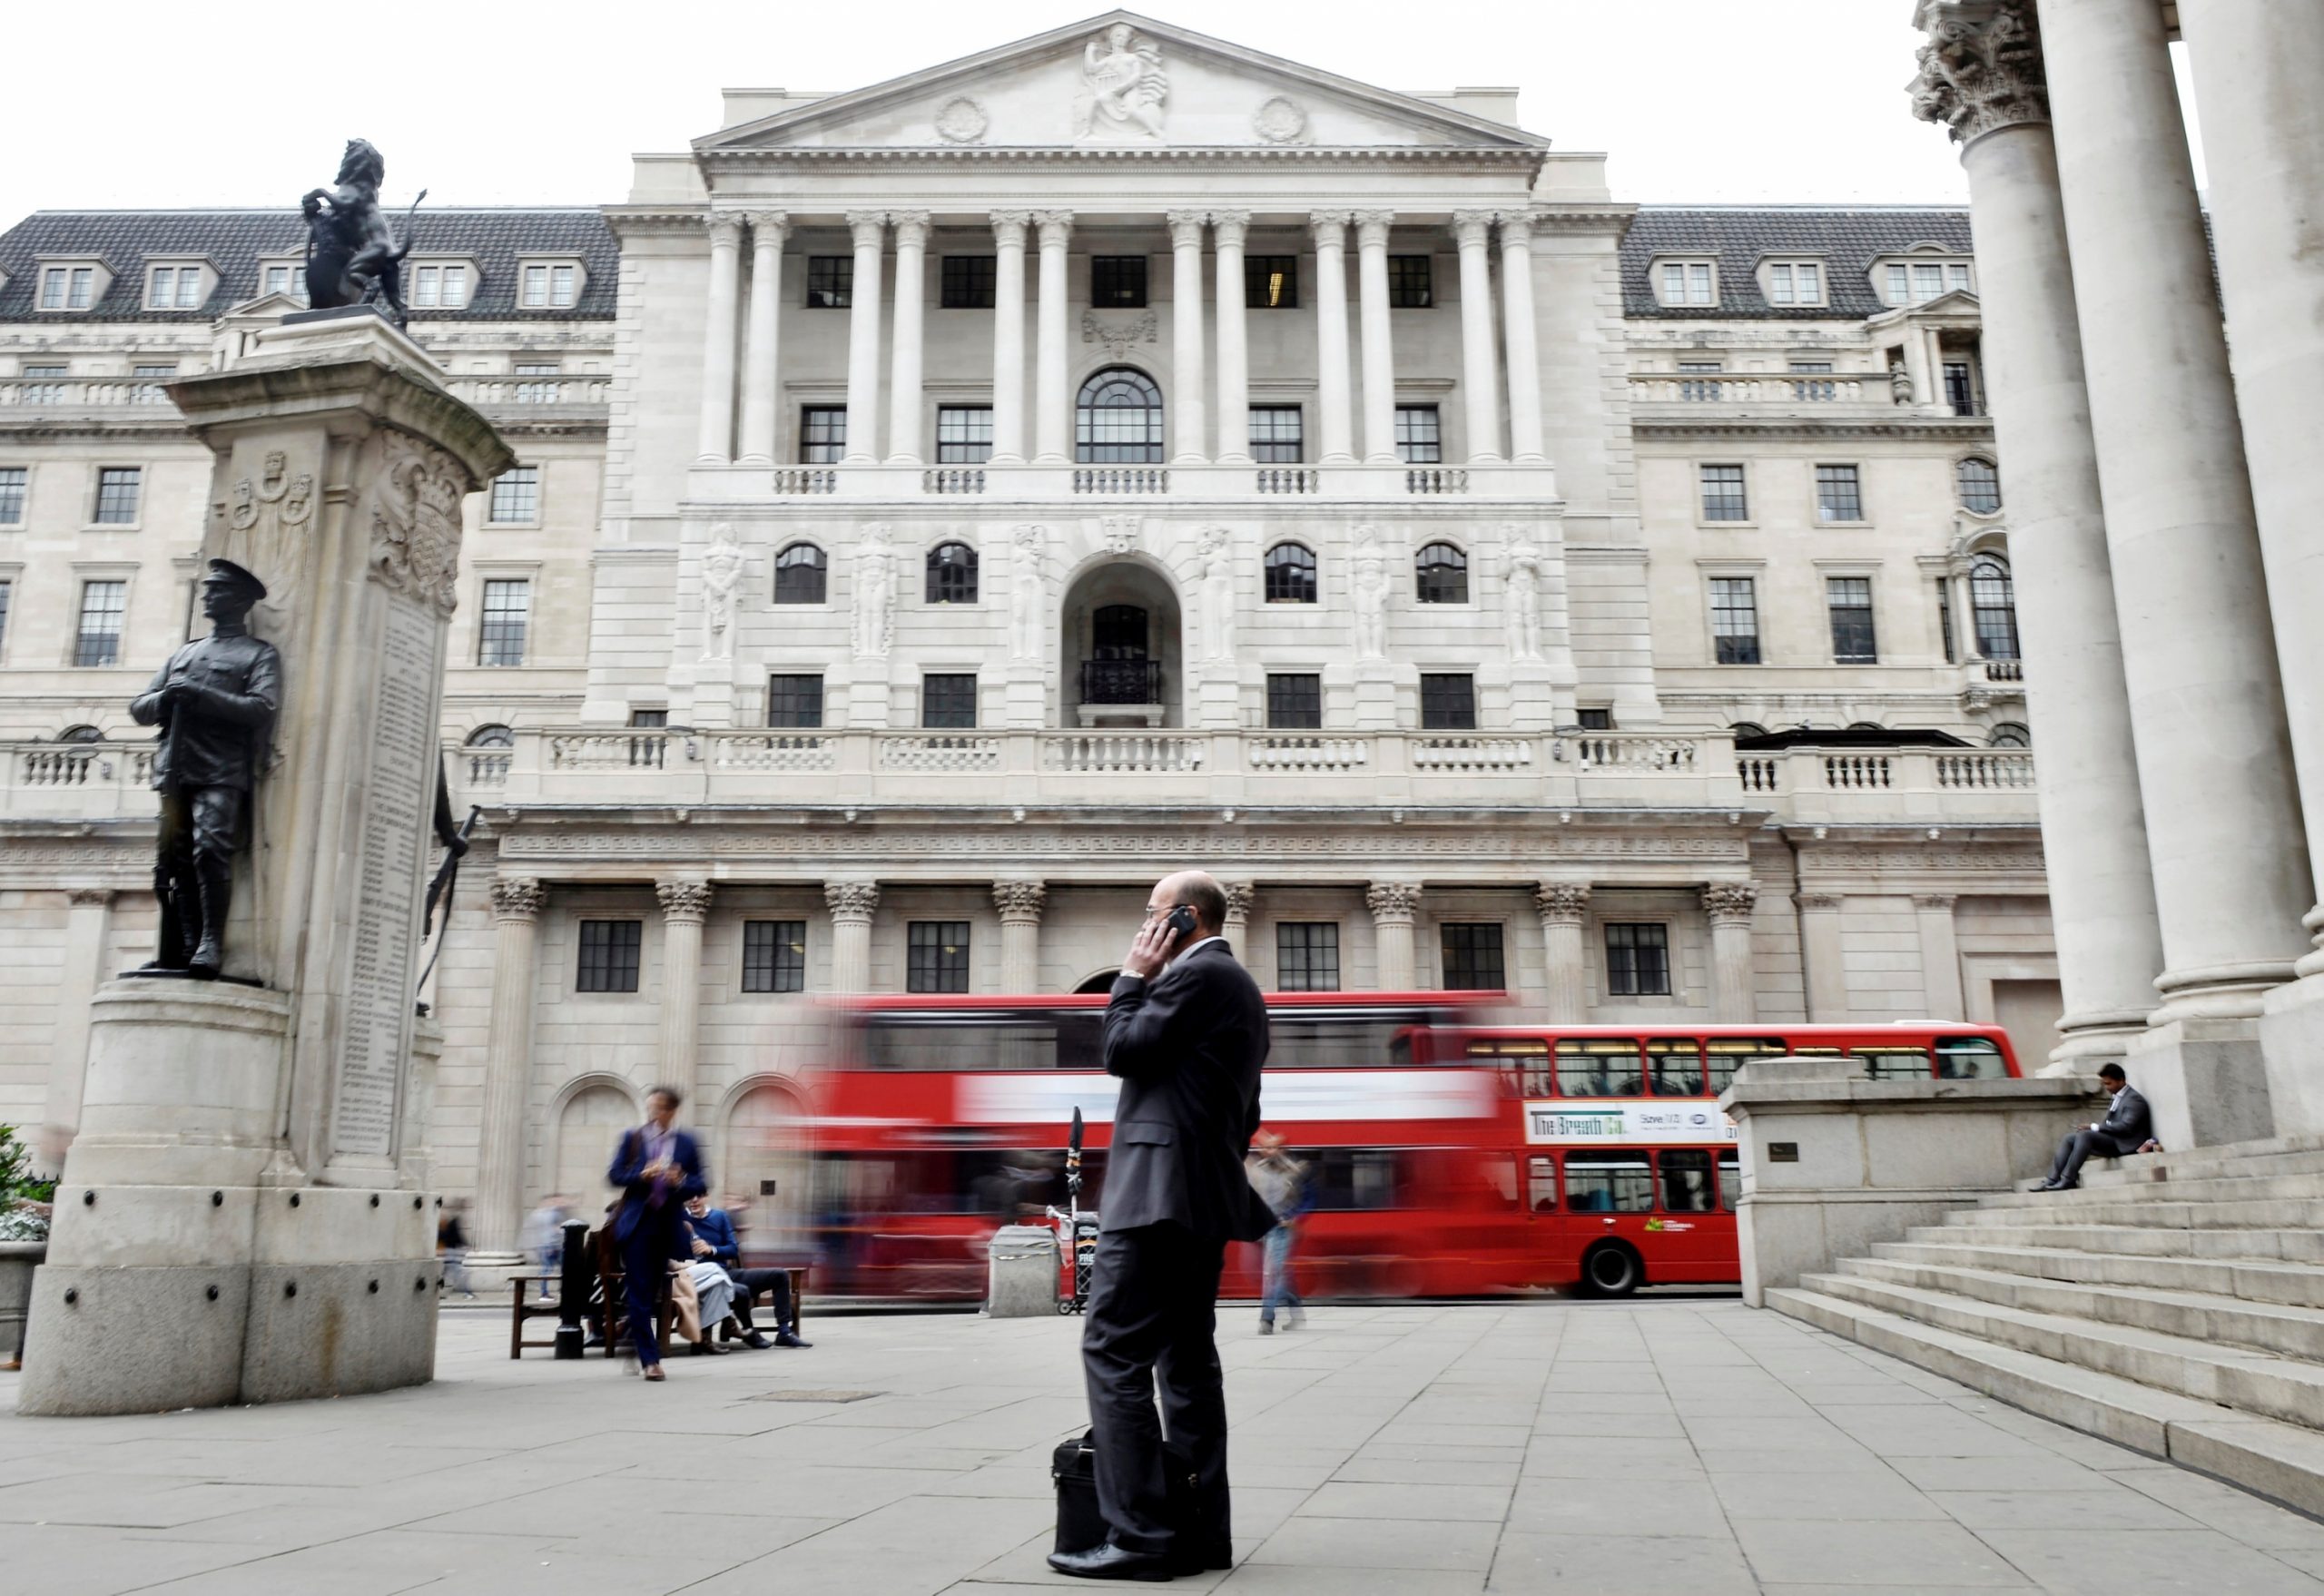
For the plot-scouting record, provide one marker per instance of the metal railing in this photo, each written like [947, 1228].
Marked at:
[1121, 681]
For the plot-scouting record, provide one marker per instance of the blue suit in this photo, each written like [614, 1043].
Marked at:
[648, 1226]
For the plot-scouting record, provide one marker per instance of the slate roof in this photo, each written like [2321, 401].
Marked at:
[1848, 238]
[234, 242]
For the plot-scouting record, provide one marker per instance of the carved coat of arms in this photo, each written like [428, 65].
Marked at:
[416, 525]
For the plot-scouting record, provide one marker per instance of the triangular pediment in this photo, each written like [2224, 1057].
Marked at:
[1120, 81]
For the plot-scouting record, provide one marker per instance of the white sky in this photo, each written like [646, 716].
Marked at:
[489, 102]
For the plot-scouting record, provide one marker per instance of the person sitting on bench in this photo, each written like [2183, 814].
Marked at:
[714, 1242]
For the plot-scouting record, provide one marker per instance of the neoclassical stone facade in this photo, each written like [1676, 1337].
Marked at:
[943, 508]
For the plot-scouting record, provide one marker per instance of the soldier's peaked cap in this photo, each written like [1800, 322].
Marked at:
[228, 572]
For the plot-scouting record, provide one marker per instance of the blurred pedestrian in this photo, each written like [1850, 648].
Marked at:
[452, 1247]
[1281, 1180]
[543, 1236]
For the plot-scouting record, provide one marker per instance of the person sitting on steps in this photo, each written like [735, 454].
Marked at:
[2127, 1127]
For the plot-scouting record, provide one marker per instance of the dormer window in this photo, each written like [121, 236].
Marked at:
[1794, 282]
[440, 287]
[178, 286]
[70, 287]
[549, 285]
[1915, 282]
[1688, 282]
[283, 277]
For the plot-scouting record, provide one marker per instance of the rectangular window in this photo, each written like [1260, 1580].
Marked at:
[500, 631]
[1637, 960]
[823, 435]
[649, 753]
[98, 641]
[1596, 720]
[1420, 439]
[831, 282]
[174, 287]
[1850, 600]
[1928, 282]
[285, 278]
[609, 955]
[774, 955]
[1779, 285]
[536, 287]
[1278, 434]
[117, 491]
[794, 701]
[81, 294]
[1817, 389]
[539, 391]
[1609, 1183]
[948, 702]
[1411, 286]
[963, 435]
[1307, 956]
[564, 287]
[1271, 283]
[1735, 620]
[1839, 494]
[40, 385]
[7, 590]
[1956, 278]
[936, 956]
[1687, 1187]
[1960, 392]
[1944, 621]
[51, 288]
[549, 286]
[1295, 702]
[1473, 956]
[1691, 388]
[1685, 284]
[14, 484]
[1117, 281]
[515, 496]
[965, 282]
[150, 392]
[1798, 283]
[1723, 496]
[439, 287]
[1447, 701]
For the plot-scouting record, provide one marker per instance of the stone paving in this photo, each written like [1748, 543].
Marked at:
[1688, 1446]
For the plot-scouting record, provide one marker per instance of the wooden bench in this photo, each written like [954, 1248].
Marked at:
[526, 1304]
[728, 1330]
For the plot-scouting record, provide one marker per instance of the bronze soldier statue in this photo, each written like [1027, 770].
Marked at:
[215, 703]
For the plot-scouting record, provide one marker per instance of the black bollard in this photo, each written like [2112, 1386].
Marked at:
[572, 1289]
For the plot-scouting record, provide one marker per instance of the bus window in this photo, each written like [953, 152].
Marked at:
[1500, 1178]
[1607, 1183]
[975, 1040]
[1298, 1041]
[1727, 1052]
[1970, 1058]
[1529, 1058]
[1686, 1180]
[1541, 1185]
[1730, 1178]
[1350, 1178]
[1598, 1066]
[1889, 1063]
[1676, 1066]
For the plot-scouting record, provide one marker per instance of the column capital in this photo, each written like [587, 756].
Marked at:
[1231, 227]
[684, 901]
[1981, 69]
[1817, 902]
[518, 897]
[1056, 226]
[768, 227]
[1185, 228]
[1940, 902]
[1730, 902]
[852, 902]
[1516, 227]
[912, 228]
[1239, 898]
[1330, 228]
[1472, 227]
[90, 897]
[867, 227]
[1371, 228]
[1009, 228]
[1019, 902]
[1392, 902]
[1561, 902]
[726, 229]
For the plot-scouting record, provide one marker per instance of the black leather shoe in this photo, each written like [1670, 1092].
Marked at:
[788, 1337]
[756, 1341]
[2047, 1186]
[1107, 1560]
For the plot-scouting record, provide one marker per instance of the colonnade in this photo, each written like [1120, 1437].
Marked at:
[2157, 524]
[1494, 351]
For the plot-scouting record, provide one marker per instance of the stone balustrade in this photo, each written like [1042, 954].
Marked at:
[78, 780]
[721, 484]
[519, 395]
[1956, 784]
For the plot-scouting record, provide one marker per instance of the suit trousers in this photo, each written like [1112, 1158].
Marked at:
[2066, 1167]
[750, 1282]
[1151, 1318]
[644, 1264]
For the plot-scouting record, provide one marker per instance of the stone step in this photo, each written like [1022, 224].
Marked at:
[2286, 1155]
[2246, 1279]
[2282, 1461]
[2078, 1234]
[2161, 1213]
[2249, 1382]
[2287, 1332]
[2237, 1187]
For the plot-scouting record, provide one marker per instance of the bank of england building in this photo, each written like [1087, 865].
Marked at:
[944, 506]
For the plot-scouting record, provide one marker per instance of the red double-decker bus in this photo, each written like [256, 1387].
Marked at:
[1451, 1153]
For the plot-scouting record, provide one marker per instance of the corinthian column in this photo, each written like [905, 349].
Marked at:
[1379, 352]
[851, 904]
[1053, 413]
[1393, 905]
[905, 397]
[1333, 379]
[1517, 327]
[867, 228]
[1237, 929]
[1188, 414]
[1019, 903]
[768, 230]
[1981, 79]
[508, 1072]
[718, 342]
[1009, 337]
[1480, 386]
[685, 904]
[1729, 906]
[1563, 905]
[1229, 229]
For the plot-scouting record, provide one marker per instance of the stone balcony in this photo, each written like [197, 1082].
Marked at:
[1711, 397]
[709, 486]
[520, 401]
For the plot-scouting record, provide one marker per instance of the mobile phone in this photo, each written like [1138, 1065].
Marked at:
[1182, 921]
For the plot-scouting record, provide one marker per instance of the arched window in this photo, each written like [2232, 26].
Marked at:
[1442, 573]
[84, 733]
[1119, 420]
[2010, 734]
[492, 736]
[951, 574]
[1980, 484]
[800, 572]
[1993, 602]
[1291, 574]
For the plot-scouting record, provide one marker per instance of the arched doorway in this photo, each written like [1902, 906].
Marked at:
[591, 1121]
[1103, 982]
[767, 1173]
[1122, 638]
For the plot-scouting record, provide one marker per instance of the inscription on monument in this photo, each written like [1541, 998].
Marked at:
[379, 967]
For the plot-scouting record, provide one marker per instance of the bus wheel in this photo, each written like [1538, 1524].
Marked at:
[1611, 1270]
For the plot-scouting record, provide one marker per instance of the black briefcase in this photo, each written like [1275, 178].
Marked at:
[1074, 1467]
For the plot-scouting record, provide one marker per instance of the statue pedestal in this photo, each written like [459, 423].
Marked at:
[1375, 696]
[242, 1218]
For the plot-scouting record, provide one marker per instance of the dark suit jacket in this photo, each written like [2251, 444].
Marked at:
[2128, 1123]
[1187, 1046]
[637, 1199]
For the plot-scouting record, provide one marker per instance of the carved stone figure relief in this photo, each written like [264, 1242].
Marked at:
[875, 593]
[266, 518]
[721, 574]
[1118, 333]
[415, 522]
[1120, 534]
[1123, 87]
[1522, 602]
[1028, 592]
[1215, 593]
[1371, 589]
